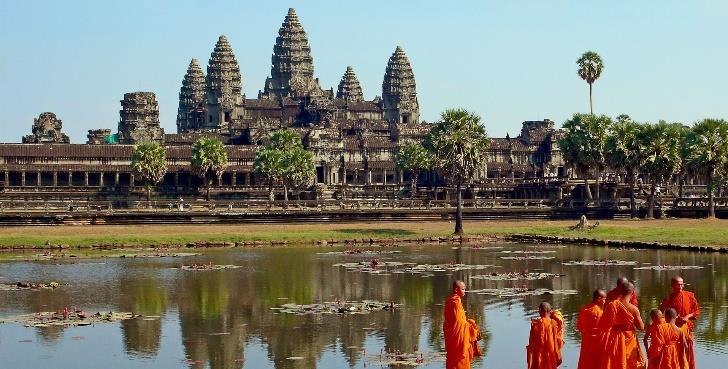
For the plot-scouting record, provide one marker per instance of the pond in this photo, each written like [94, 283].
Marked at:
[231, 317]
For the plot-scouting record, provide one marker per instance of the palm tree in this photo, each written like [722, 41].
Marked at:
[209, 159]
[590, 69]
[413, 158]
[660, 156]
[458, 143]
[269, 165]
[622, 151]
[149, 162]
[582, 145]
[710, 151]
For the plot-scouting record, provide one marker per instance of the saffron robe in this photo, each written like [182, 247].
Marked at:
[668, 352]
[586, 323]
[615, 294]
[684, 302]
[620, 348]
[545, 342]
[653, 349]
[461, 334]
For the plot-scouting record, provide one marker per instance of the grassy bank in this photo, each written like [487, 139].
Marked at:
[681, 231]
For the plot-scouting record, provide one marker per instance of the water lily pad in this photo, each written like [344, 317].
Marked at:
[528, 257]
[77, 318]
[338, 307]
[204, 267]
[669, 267]
[521, 292]
[516, 276]
[600, 262]
[408, 359]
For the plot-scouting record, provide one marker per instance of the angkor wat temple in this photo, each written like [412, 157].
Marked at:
[354, 140]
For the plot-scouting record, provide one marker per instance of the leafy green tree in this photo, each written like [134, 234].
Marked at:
[413, 158]
[149, 162]
[285, 160]
[299, 171]
[582, 145]
[269, 165]
[622, 151]
[710, 151]
[590, 69]
[660, 157]
[209, 160]
[458, 143]
[686, 142]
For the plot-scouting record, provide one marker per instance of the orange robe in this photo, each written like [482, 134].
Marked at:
[620, 348]
[653, 350]
[615, 294]
[684, 303]
[461, 343]
[545, 342]
[668, 348]
[587, 325]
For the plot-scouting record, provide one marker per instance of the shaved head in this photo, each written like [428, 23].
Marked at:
[670, 314]
[628, 289]
[599, 293]
[677, 283]
[622, 281]
[656, 313]
[457, 284]
[458, 288]
[545, 307]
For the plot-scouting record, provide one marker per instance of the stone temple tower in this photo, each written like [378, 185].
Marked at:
[291, 73]
[139, 119]
[399, 92]
[223, 87]
[349, 87]
[191, 113]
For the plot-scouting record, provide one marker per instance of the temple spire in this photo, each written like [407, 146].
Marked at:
[223, 85]
[349, 87]
[399, 91]
[191, 96]
[291, 64]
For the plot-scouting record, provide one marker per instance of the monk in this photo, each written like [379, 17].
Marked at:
[686, 305]
[651, 339]
[546, 339]
[618, 325]
[615, 293]
[669, 344]
[586, 324]
[461, 333]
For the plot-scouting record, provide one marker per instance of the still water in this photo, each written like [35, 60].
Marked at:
[224, 319]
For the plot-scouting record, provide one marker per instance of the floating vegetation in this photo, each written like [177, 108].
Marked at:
[669, 267]
[208, 267]
[338, 307]
[528, 252]
[600, 262]
[478, 248]
[360, 252]
[408, 359]
[67, 318]
[153, 255]
[521, 292]
[377, 266]
[528, 257]
[516, 276]
[22, 286]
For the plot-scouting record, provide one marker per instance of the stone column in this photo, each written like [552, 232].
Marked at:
[131, 179]
[37, 180]
[22, 178]
[234, 179]
[101, 179]
[369, 176]
[70, 179]
[384, 179]
[219, 180]
[7, 178]
[116, 179]
[55, 179]
[85, 179]
[176, 179]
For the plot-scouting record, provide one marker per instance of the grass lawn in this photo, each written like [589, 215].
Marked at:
[682, 231]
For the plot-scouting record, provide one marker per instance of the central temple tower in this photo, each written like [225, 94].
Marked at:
[291, 72]
[223, 87]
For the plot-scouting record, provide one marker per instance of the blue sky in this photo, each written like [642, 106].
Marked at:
[507, 60]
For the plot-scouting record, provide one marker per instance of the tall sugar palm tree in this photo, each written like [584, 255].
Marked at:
[590, 69]
[458, 142]
[660, 157]
[209, 160]
[622, 151]
[711, 153]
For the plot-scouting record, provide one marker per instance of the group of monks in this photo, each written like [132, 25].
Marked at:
[608, 326]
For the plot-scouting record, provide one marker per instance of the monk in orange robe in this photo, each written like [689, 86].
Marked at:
[616, 292]
[461, 333]
[651, 340]
[618, 325]
[668, 344]
[546, 339]
[586, 324]
[686, 305]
